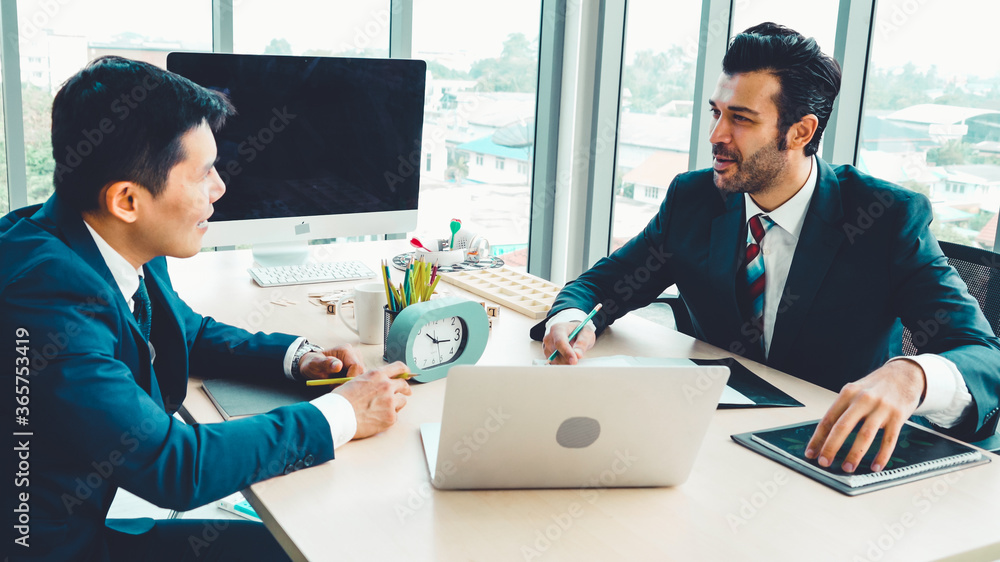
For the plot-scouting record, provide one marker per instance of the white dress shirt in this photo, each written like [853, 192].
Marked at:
[335, 408]
[946, 398]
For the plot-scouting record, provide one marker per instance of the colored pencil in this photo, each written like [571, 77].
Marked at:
[320, 382]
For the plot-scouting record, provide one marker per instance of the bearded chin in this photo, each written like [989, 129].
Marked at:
[754, 174]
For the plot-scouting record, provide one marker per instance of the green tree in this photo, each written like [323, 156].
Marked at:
[441, 71]
[894, 90]
[950, 153]
[37, 104]
[655, 79]
[949, 233]
[515, 70]
[278, 47]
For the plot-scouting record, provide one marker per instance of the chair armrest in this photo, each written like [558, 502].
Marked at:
[682, 318]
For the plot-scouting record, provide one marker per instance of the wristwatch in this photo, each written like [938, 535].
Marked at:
[304, 347]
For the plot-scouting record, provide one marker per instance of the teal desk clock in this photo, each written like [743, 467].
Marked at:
[432, 336]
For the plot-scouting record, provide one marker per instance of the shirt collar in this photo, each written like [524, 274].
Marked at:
[791, 215]
[126, 276]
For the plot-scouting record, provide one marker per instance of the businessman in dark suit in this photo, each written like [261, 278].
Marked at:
[808, 268]
[104, 346]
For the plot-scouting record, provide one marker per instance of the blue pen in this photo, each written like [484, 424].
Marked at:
[575, 332]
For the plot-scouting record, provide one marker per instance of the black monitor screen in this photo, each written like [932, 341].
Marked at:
[314, 135]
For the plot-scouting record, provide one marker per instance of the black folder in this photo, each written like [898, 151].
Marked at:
[741, 379]
[234, 397]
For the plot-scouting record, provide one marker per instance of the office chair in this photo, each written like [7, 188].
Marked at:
[980, 269]
[682, 318]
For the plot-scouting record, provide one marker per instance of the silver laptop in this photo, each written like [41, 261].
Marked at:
[570, 427]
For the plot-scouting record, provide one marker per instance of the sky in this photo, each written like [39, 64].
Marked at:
[953, 34]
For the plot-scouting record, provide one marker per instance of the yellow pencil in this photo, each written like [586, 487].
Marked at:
[320, 382]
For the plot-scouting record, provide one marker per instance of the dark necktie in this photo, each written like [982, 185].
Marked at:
[758, 227]
[143, 308]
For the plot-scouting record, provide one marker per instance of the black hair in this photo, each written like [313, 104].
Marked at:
[809, 79]
[122, 120]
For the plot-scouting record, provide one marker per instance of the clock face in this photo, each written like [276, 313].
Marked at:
[439, 342]
[433, 336]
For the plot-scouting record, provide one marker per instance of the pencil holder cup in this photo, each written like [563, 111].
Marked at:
[390, 316]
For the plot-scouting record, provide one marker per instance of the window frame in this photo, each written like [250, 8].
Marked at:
[603, 48]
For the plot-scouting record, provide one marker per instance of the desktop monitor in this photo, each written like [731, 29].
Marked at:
[320, 147]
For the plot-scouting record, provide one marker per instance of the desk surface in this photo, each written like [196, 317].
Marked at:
[375, 502]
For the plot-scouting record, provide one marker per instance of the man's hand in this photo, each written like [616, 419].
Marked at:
[376, 398]
[569, 354]
[884, 400]
[337, 361]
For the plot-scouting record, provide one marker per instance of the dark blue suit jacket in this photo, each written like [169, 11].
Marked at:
[865, 261]
[99, 413]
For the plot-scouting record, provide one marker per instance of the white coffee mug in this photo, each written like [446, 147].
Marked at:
[369, 298]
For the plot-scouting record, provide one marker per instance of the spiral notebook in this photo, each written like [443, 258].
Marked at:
[919, 454]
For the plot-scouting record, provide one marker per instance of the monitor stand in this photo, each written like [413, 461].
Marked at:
[273, 254]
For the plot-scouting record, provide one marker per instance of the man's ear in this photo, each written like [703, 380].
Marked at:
[799, 134]
[122, 199]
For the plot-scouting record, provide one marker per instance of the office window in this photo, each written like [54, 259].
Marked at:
[58, 38]
[482, 82]
[654, 128]
[812, 19]
[931, 118]
[312, 27]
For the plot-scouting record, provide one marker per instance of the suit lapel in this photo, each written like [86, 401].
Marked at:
[724, 253]
[819, 241]
[172, 352]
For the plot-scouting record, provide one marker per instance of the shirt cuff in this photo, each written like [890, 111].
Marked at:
[568, 315]
[289, 355]
[947, 397]
[339, 414]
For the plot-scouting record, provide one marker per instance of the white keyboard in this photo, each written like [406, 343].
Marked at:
[310, 273]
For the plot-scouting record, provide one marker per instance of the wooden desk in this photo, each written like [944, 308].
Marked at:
[374, 502]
